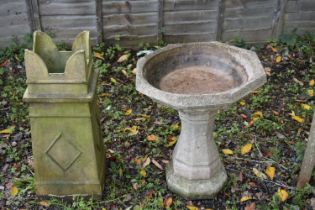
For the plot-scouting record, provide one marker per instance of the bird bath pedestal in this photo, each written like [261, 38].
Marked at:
[198, 79]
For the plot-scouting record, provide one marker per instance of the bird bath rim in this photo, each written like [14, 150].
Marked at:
[246, 59]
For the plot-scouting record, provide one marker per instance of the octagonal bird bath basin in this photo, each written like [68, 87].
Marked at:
[198, 79]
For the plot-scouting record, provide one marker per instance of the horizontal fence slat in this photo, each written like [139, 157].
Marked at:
[171, 5]
[122, 7]
[123, 19]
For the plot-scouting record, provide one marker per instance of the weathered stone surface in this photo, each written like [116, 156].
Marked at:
[198, 79]
[66, 139]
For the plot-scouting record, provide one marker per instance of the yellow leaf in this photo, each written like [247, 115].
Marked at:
[306, 107]
[103, 208]
[246, 149]
[128, 112]
[99, 55]
[310, 92]
[296, 118]
[134, 71]
[123, 58]
[246, 198]
[227, 152]
[175, 126]
[133, 130]
[8, 130]
[168, 202]
[270, 171]
[312, 83]
[242, 103]
[278, 59]
[171, 141]
[257, 115]
[143, 173]
[282, 194]
[44, 203]
[192, 207]
[152, 138]
[259, 174]
[113, 80]
[14, 190]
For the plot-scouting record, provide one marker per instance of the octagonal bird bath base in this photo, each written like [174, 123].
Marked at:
[198, 79]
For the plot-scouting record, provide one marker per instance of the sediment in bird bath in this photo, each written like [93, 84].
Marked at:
[197, 80]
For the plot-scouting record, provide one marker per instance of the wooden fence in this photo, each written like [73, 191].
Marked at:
[132, 22]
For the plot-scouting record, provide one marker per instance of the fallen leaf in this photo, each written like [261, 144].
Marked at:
[171, 141]
[14, 190]
[128, 112]
[168, 202]
[227, 151]
[152, 138]
[123, 58]
[251, 206]
[44, 203]
[310, 92]
[296, 118]
[99, 55]
[133, 130]
[257, 115]
[282, 194]
[192, 207]
[298, 81]
[270, 171]
[242, 103]
[268, 71]
[125, 73]
[246, 198]
[273, 49]
[312, 83]
[306, 107]
[259, 174]
[134, 71]
[157, 164]
[113, 80]
[278, 58]
[135, 186]
[246, 148]
[8, 130]
[146, 162]
[143, 173]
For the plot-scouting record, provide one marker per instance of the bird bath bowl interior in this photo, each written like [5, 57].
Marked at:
[198, 79]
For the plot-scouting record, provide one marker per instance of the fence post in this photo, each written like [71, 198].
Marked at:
[66, 140]
[99, 20]
[161, 20]
[308, 163]
[220, 20]
[34, 14]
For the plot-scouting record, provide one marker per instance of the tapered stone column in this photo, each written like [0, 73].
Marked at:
[196, 170]
[66, 139]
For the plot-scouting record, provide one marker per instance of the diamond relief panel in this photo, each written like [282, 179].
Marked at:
[62, 152]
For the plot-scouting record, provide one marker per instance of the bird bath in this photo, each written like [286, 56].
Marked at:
[198, 79]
